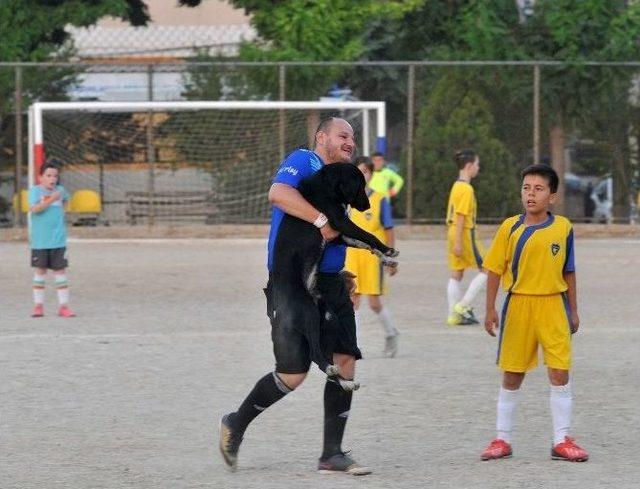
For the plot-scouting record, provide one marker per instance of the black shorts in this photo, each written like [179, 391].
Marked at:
[53, 259]
[337, 330]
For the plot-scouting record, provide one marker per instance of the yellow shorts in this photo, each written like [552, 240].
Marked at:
[472, 250]
[368, 270]
[531, 320]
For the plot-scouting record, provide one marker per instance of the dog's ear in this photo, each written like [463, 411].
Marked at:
[361, 202]
[352, 187]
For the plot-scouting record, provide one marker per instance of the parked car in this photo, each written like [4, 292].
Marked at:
[602, 197]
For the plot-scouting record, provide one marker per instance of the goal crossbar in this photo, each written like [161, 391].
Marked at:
[36, 137]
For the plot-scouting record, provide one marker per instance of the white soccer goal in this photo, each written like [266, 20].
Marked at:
[184, 161]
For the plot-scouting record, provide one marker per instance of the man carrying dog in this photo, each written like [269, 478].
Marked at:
[334, 142]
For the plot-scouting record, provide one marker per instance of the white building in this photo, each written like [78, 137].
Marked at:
[174, 33]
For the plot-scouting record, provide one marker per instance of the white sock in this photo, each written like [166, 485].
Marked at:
[38, 289]
[507, 403]
[561, 402]
[387, 323]
[454, 293]
[62, 287]
[476, 285]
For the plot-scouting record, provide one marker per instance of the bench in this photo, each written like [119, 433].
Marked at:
[169, 205]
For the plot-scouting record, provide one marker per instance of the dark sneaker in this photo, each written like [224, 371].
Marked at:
[341, 463]
[229, 443]
[468, 322]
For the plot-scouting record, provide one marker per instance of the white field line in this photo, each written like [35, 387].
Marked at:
[219, 334]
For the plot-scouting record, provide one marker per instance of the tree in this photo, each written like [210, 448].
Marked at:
[575, 98]
[457, 116]
[34, 30]
[293, 30]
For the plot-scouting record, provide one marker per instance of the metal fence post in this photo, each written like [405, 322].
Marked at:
[536, 114]
[151, 154]
[17, 184]
[411, 82]
[282, 87]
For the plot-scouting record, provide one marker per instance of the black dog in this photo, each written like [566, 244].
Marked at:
[299, 246]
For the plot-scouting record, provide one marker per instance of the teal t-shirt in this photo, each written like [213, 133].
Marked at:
[48, 228]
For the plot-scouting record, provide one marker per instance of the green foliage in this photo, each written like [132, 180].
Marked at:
[457, 116]
[33, 30]
[294, 30]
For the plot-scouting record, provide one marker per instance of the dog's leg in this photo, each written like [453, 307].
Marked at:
[358, 236]
[313, 320]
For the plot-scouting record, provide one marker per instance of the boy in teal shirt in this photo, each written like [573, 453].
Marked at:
[48, 238]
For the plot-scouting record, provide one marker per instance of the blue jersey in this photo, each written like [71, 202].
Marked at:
[48, 228]
[297, 166]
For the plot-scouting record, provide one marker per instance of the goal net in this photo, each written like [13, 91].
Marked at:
[184, 161]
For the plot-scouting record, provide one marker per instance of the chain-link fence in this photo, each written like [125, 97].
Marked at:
[584, 119]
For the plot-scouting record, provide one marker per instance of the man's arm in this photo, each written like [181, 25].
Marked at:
[396, 182]
[572, 296]
[491, 322]
[290, 201]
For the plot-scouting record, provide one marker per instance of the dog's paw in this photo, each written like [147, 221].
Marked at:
[332, 371]
[349, 385]
[389, 262]
[391, 253]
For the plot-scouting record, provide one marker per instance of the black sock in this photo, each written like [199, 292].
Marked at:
[337, 403]
[267, 391]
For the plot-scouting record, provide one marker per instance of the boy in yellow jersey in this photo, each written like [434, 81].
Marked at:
[464, 251]
[384, 179]
[366, 266]
[533, 254]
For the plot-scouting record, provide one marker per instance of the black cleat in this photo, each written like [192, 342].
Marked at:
[229, 443]
[341, 463]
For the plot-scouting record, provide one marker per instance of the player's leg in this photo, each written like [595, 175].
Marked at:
[38, 288]
[463, 307]
[555, 338]
[561, 405]
[517, 354]
[292, 356]
[454, 294]
[391, 333]
[339, 339]
[508, 398]
[59, 265]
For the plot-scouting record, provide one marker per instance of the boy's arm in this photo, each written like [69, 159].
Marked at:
[491, 322]
[572, 296]
[457, 245]
[45, 202]
[390, 240]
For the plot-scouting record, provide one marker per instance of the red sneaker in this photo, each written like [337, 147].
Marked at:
[568, 450]
[38, 311]
[65, 312]
[497, 449]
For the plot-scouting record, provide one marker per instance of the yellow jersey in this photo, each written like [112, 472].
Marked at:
[375, 219]
[462, 200]
[532, 259]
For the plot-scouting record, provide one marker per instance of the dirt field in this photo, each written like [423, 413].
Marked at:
[172, 334]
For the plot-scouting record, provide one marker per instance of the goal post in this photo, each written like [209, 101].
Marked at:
[186, 160]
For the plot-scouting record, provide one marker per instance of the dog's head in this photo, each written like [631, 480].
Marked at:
[347, 183]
